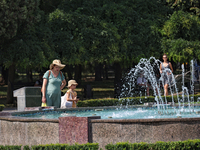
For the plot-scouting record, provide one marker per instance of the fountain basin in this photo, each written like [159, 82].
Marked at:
[16, 130]
[131, 112]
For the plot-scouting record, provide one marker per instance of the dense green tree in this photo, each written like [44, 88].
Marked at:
[22, 41]
[181, 36]
[192, 6]
[116, 32]
[80, 39]
[49, 6]
[15, 16]
[81, 32]
[133, 25]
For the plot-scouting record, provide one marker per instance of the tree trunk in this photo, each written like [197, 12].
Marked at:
[69, 72]
[105, 72]
[117, 80]
[78, 72]
[29, 75]
[11, 77]
[5, 75]
[98, 72]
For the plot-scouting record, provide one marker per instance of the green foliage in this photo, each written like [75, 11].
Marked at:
[10, 147]
[181, 36]
[24, 36]
[111, 31]
[98, 102]
[73, 40]
[129, 101]
[1, 107]
[26, 147]
[192, 6]
[50, 147]
[88, 146]
[17, 15]
[183, 145]
[127, 146]
[82, 31]
[169, 98]
[49, 6]
[30, 48]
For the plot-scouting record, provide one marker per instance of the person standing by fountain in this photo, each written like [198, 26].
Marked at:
[165, 73]
[71, 95]
[40, 80]
[53, 82]
[142, 82]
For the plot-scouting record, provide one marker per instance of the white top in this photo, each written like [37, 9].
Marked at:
[64, 102]
[70, 97]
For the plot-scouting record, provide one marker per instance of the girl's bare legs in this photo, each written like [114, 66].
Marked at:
[166, 89]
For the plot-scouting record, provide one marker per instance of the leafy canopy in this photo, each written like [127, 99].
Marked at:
[181, 36]
[103, 30]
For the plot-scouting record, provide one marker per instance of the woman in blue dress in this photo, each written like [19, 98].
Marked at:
[165, 68]
[53, 82]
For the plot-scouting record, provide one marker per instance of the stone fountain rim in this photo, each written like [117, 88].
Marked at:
[9, 116]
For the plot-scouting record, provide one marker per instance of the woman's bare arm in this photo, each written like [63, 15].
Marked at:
[44, 85]
[63, 84]
[160, 68]
[69, 99]
[170, 65]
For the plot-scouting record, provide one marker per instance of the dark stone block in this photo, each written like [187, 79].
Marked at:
[32, 91]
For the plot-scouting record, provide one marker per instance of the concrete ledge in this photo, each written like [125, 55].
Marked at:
[144, 120]
[147, 130]
[26, 119]
[29, 131]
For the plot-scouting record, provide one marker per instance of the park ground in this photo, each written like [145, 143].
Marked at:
[100, 89]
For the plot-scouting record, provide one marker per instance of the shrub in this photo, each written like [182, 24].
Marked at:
[183, 145]
[1, 107]
[127, 100]
[98, 102]
[88, 146]
[10, 147]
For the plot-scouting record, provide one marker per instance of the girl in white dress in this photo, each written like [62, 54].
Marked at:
[70, 98]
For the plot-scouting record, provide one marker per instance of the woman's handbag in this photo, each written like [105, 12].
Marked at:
[44, 105]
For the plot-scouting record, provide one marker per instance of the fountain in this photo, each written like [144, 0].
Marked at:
[148, 67]
[161, 122]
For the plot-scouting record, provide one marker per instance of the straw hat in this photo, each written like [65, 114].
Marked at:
[72, 82]
[58, 63]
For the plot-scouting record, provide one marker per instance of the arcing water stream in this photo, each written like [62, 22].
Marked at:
[150, 70]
